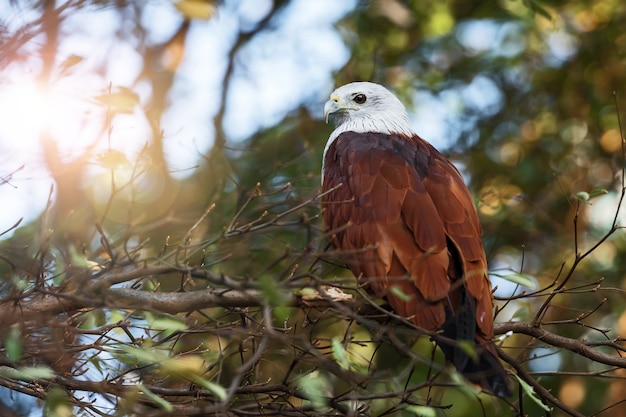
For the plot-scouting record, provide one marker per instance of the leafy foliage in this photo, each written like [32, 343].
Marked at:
[139, 291]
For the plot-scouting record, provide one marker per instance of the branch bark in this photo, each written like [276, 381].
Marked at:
[232, 293]
[573, 345]
[182, 302]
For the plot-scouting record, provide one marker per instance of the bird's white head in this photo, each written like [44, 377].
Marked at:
[366, 107]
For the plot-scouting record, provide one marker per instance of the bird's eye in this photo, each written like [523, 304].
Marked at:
[359, 98]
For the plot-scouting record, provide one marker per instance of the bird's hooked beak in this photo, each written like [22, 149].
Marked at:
[332, 106]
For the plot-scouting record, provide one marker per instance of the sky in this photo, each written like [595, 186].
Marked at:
[303, 47]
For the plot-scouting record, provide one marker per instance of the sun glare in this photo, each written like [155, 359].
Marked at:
[72, 112]
[76, 113]
[23, 107]
[31, 113]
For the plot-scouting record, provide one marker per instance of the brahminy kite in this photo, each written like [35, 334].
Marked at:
[407, 225]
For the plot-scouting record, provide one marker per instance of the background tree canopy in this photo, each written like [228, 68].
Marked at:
[162, 252]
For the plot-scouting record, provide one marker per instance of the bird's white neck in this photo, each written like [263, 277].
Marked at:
[398, 125]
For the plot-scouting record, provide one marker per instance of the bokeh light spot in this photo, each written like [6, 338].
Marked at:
[510, 153]
[611, 141]
[572, 392]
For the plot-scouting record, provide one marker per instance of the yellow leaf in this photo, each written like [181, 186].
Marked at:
[120, 100]
[70, 62]
[113, 159]
[183, 365]
[195, 9]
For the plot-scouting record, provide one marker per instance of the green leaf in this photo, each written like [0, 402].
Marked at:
[214, 388]
[13, 344]
[517, 278]
[598, 191]
[523, 313]
[20, 283]
[272, 294]
[341, 356]
[422, 410]
[468, 389]
[313, 385]
[530, 391]
[57, 403]
[306, 292]
[95, 361]
[157, 400]
[469, 348]
[93, 319]
[536, 7]
[281, 313]
[27, 374]
[397, 291]
[586, 196]
[145, 355]
[275, 297]
[79, 259]
[167, 325]
[116, 316]
[583, 196]
[211, 356]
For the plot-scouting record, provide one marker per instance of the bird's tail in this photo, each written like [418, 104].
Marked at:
[478, 362]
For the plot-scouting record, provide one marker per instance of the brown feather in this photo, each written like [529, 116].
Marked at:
[405, 219]
[387, 193]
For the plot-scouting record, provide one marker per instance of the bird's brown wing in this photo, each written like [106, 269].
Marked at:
[457, 211]
[406, 224]
[386, 223]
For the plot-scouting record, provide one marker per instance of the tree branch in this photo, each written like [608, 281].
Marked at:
[541, 391]
[556, 340]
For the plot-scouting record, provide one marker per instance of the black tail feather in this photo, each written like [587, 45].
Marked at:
[475, 359]
[489, 373]
[478, 363]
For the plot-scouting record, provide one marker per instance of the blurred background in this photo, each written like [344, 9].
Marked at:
[130, 119]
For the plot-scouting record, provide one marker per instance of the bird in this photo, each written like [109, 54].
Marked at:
[405, 224]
